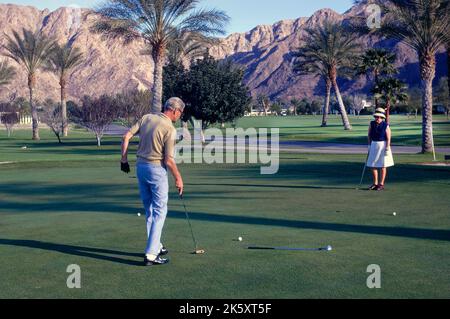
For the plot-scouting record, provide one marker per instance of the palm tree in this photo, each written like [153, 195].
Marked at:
[424, 25]
[7, 73]
[31, 50]
[161, 24]
[62, 62]
[377, 62]
[391, 91]
[329, 49]
[188, 48]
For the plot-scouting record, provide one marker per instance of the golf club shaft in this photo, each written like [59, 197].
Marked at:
[189, 222]
[364, 171]
[286, 248]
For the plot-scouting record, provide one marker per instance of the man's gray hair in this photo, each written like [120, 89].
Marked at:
[174, 103]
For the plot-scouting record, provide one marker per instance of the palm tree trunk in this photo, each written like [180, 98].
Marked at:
[157, 91]
[34, 115]
[428, 72]
[65, 128]
[343, 112]
[326, 107]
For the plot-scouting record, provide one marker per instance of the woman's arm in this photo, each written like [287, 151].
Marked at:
[388, 138]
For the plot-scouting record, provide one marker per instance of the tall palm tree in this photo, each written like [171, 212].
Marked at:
[306, 65]
[329, 49]
[390, 91]
[377, 62]
[7, 73]
[424, 25]
[62, 62]
[161, 24]
[32, 51]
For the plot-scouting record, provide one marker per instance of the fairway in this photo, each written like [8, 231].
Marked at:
[70, 204]
[405, 130]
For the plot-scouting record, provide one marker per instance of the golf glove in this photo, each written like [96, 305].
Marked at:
[125, 167]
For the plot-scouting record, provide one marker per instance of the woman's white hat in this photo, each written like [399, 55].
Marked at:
[380, 112]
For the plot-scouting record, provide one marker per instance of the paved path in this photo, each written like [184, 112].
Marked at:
[315, 147]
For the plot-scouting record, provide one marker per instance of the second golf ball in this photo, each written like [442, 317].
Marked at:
[240, 238]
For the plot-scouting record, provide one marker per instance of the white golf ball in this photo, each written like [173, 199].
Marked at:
[394, 213]
[240, 238]
[139, 214]
[329, 248]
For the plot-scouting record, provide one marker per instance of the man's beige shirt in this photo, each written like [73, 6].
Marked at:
[157, 138]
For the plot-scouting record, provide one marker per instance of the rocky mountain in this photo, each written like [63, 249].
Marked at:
[265, 52]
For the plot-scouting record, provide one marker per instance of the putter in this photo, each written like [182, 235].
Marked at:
[196, 251]
[364, 170]
[328, 248]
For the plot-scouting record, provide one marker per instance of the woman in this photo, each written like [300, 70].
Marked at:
[380, 155]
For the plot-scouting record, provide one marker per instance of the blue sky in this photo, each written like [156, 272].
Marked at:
[245, 14]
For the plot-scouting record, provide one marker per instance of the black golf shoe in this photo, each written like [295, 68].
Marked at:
[158, 261]
[163, 251]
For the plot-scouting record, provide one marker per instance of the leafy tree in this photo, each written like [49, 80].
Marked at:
[414, 103]
[133, 105]
[174, 78]
[9, 116]
[377, 63]
[276, 108]
[63, 61]
[95, 114]
[51, 115]
[32, 51]
[329, 50]
[442, 95]
[214, 92]
[7, 73]
[390, 91]
[161, 24]
[303, 106]
[356, 103]
[315, 106]
[263, 103]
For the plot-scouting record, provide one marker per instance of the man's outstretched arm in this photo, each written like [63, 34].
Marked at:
[125, 167]
[172, 166]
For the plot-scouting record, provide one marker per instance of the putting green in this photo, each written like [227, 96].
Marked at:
[69, 204]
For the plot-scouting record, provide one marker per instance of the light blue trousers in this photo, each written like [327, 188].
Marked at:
[154, 189]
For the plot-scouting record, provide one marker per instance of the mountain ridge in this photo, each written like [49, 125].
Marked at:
[264, 51]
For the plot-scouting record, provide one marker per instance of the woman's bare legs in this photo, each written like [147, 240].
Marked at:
[383, 175]
[375, 176]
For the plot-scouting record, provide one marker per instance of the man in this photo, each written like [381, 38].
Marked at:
[154, 156]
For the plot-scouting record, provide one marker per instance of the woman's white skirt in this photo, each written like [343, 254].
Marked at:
[378, 157]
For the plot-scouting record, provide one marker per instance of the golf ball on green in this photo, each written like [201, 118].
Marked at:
[240, 238]
[139, 214]
[329, 248]
[394, 213]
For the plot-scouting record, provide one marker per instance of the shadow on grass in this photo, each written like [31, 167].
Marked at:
[95, 253]
[271, 186]
[417, 233]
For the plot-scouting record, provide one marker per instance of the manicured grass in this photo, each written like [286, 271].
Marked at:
[307, 128]
[69, 204]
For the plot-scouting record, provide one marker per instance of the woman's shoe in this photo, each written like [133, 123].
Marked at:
[380, 188]
[373, 187]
